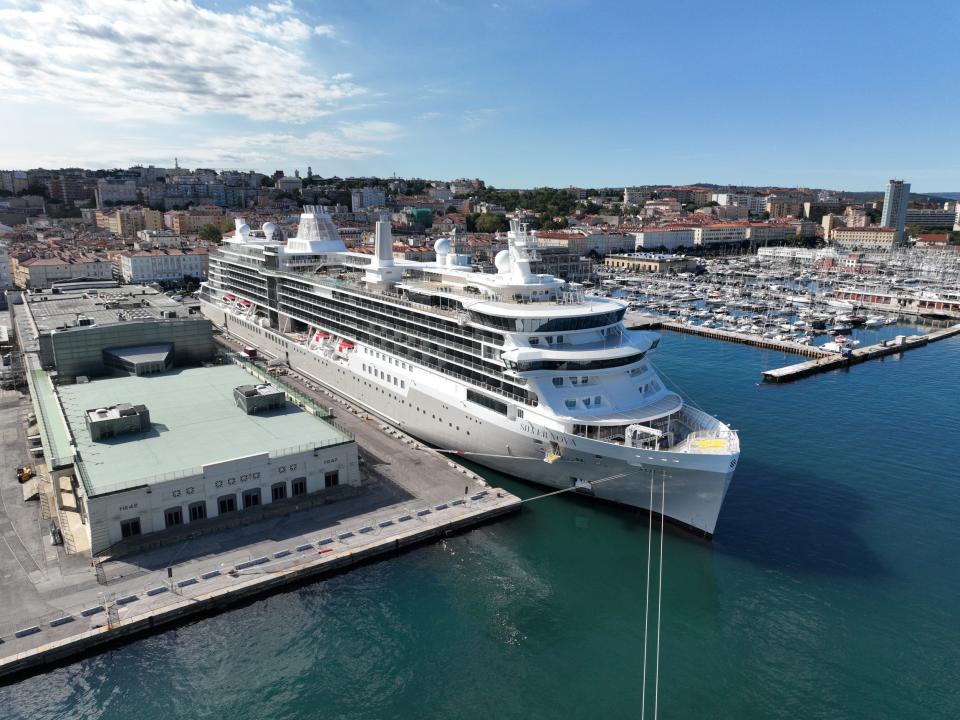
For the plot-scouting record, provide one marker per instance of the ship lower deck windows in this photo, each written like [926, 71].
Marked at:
[331, 479]
[487, 401]
[298, 486]
[198, 511]
[130, 528]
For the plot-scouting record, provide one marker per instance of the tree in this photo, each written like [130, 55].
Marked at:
[492, 222]
[210, 233]
[266, 181]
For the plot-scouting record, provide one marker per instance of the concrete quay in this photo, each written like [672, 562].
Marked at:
[55, 605]
[857, 356]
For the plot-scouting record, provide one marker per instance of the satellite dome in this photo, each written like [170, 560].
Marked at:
[442, 246]
[502, 261]
[269, 228]
[243, 229]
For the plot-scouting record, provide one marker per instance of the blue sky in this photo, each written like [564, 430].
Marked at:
[840, 94]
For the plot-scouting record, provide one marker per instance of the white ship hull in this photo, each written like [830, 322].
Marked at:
[432, 407]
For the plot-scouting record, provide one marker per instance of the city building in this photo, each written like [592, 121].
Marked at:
[869, 238]
[581, 242]
[929, 218]
[831, 221]
[634, 195]
[13, 181]
[720, 234]
[815, 211]
[128, 221]
[856, 217]
[367, 197]
[760, 233]
[669, 238]
[6, 276]
[163, 265]
[560, 263]
[75, 322]
[784, 206]
[184, 222]
[933, 240]
[661, 206]
[686, 193]
[754, 204]
[292, 185]
[895, 207]
[113, 192]
[150, 239]
[41, 273]
[651, 262]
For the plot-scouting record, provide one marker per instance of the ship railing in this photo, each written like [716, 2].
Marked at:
[383, 297]
[407, 318]
[287, 306]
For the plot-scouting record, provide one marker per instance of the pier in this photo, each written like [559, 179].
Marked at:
[857, 356]
[643, 322]
[822, 360]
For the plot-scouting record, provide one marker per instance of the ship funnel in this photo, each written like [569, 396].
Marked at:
[383, 244]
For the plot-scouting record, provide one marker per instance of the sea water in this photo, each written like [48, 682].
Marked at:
[831, 589]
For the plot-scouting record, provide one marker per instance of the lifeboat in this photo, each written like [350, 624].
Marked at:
[344, 346]
[229, 297]
[320, 335]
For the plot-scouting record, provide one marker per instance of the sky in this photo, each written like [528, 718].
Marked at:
[842, 94]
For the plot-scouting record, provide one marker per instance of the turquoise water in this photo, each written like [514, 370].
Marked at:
[831, 590]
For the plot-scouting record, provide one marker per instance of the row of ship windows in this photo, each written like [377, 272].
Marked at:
[595, 401]
[383, 356]
[586, 380]
[577, 380]
[376, 372]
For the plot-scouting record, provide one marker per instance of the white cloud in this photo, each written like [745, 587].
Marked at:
[165, 59]
[477, 118]
[324, 30]
[370, 131]
[264, 149]
[253, 150]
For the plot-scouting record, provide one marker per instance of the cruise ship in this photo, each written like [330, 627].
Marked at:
[518, 371]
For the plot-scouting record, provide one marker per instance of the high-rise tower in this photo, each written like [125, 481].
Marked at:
[895, 206]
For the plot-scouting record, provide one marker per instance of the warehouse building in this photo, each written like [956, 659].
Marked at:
[156, 452]
[90, 331]
[651, 262]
